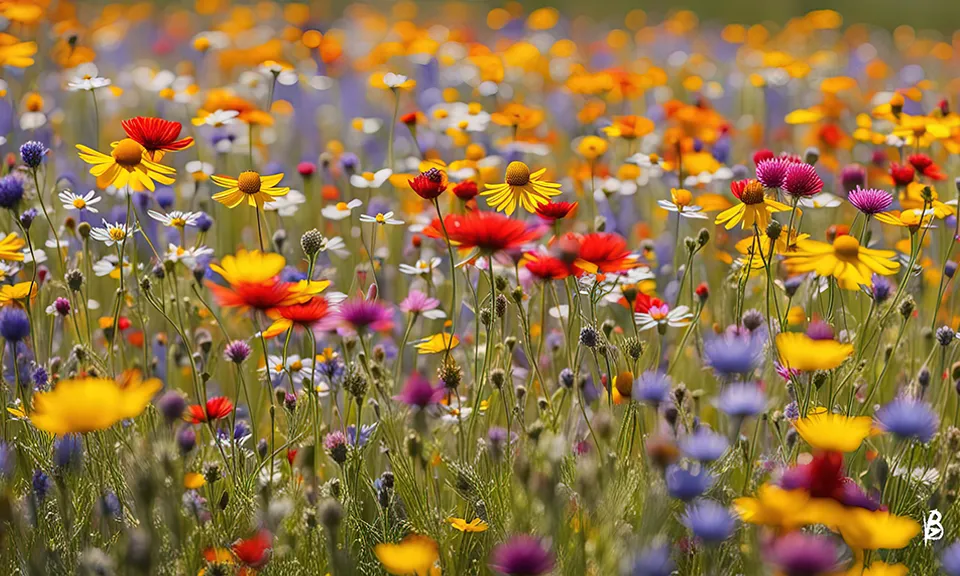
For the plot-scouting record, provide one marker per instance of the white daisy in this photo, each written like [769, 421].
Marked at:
[73, 201]
[175, 219]
[88, 83]
[381, 219]
[421, 268]
[188, 256]
[32, 120]
[107, 266]
[111, 234]
[199, 170]
[340, 210]
[371, 179]
[394, 80]
[821, 200]
[660, 317]
[218, 118]
[286, 205]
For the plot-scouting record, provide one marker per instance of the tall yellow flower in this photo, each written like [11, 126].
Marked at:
[846, 260]
[833, 432]
[520, 187]
[18, 293]
[16, 54]
[257, 190]
[754, 207]
[11, 248]
[91, 404]
[127, 164]
[592, 147]
[863, 529]
[416, 554]
[800, 352]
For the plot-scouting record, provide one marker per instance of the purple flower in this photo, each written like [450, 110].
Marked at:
[784, 372]
[773, 173]
[853, 176]
[417, 302]
[733, 353]
[652, 388]
[709, 521]
[522, 555]
[653, 561]
[802, 181]
[797, 554]
[741, 400]
[237, 351]
[704, 445]
[685, 485]
[908, 419]
[360, 315]
[881, 288]
[417, 391]
[14, 324]
[62, 306]
[818, 330]
[950, 559]
[870, 201]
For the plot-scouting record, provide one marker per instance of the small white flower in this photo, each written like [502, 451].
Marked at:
[421, 268]
[685, 211]
[73, 201]
[175, 219]
[367, 125]
[560, 312]
[107, 266]
[298, 369]
[340, 210]
[381, 219]
[623, 187]
[644, 160]
[286, 205]
[219, 118]
[188, 256]
[38, 256]
[88, 83]
[111, 234]
[392, 80]
[371, 179]
[662, 316]
[821, 200]
[199, 170]
[32, 120]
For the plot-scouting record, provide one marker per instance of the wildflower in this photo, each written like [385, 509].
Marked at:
[255, 551]
[215, 408]
[392, 81]
[802, 181]
[754, 208]
[429, 184]
[864, 529]
[653, 561]
[237, 351]
[709, 521]
[628, 127]
[685, 485]
[681, 202]
[487, 232]
[652, 387]
[14, 324]
[833, 432]
[772, 173]
[522, 555]
[32, 153]
[545, 267]
[732, 354]
[216, 119]
[371, 180]
[742, 399]
[418, 392]
[128, 164]
[799, 553]
[156, 135]
[305, 315]
[253, 282]
[415, 554]
[421, 267]
[81, 405]
[461, 524]
[591, 147]
[602, 252]
[250, 186]
[11, 248]
[846, 260]
[662, 316]
[359, 315]
[437, 343]
[381, 219]
[87, 83]
[950, 559]
[553, 211]
[704, 445]
[800, 352]
[175, 219]
[11, 191]
[908, 419]
[417, 302]
[111, 234]
[522, 188]
[72, 201]
[340, 210]
[781, 508]
[870, 201]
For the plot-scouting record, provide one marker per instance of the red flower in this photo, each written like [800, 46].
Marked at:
[292, 455]
[257, 295]
[216, 408]
[490, 232]
[902, 174]
[606, 251]
[926, 166]
[254, 551]
[306, 169]
[703, 291]
[430, 184]
[545, 267]
[761, 155]
[466, 190]
[644, 303]
[156, 135]
[556, 210]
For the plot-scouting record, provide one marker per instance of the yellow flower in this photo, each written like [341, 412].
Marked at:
[520, 187]
[862, 529]
[253, 267]
[591, 147]
[18, 293]
[847, 261]
[629, 127]
[754, 208]
[11, 248]
[16, 54]
[834, 432]
[257, 190]
[90, 404]
[192, 481]
[416, 554]
[437, 343]
[461, 524]
[906, 219]
[786, 509]
[128, 164]
[878, 568]
[518, 116]
[800, 352]
[391, 81]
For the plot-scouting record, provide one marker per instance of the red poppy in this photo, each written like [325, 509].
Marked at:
[926, 166]
[257, 295]
[545, 267]
[254, 551]
[606, 251]
[156, 135]
[490, 232]
[430, 184]
[902, 174]
[466, 190]
[303, 315]
[216, 408]
[556, 210]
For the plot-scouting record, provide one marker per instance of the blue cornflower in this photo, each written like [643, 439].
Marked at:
[203, 222]
[68, 452]
[709, 521]
[27, 217]
[908, 419]
[704, 445]
[32, 152]
[11, 191]
[880, 288]
[733, 353]
[14, 324]
[366, 431]
[791, 411]
[653, 561]
[652, 388]
[41, 380]
[950, 559]
[165, 197]
[110, 505]
[41, 484]
[741, 400]
[685, 485]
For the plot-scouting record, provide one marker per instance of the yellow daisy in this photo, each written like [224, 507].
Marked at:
[91, 404]
[461, 524]
[416, 554]
[801, 352]
[127, 164]
[520, 187]
[846, 260]
[11, 248]
[833, 432]
[257, 190]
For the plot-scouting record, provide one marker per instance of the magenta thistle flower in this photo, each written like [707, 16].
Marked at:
[853, 176]
[773, 173]
[522, 555]
[417, 302]
[802, 181]
[870, 201]
[417, 391]
[361, 315]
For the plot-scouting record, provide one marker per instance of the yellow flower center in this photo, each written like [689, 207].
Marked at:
[249, 182]
[128, 153]
[296, 365]
[380, 219]
[368, 176]
[654, 159]
[474, 108]
[178, 222]
[440, 114]
[518, 174]
[463, 125]
[278, 367]
[79, 203]
[681, 196]
[846, 246]
[752, 193]
[116, 234]
[341, 206]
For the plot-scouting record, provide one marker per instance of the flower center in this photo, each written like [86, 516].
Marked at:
[682, 197]
[79, 203]
[128, 153]
[846, 246]
[368, 176]
[654, 159]
[752, 193]
[296, 366]
[178, 222]
[518, 174]
[249, 182]
[380, 219]
[341, 206]
[117, 234]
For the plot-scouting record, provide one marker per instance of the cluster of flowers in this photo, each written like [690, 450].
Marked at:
[600, 306]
